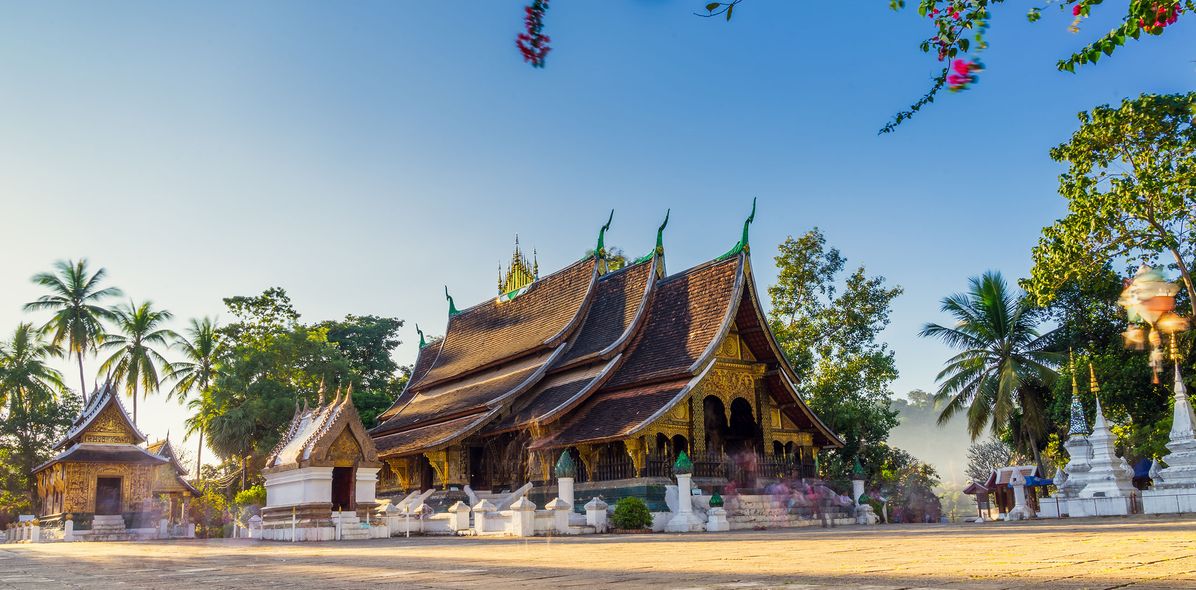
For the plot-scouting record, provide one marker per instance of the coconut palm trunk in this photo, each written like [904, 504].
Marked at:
[82, 381]
[199, 456]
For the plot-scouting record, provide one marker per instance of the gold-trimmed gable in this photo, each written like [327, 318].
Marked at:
[110, 427]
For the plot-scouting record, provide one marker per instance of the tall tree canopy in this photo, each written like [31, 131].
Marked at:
[1131, 192]
[135, 346]
[830, 332]
[75, 299]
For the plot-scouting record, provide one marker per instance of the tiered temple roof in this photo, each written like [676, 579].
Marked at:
[322, 435]
[598, 355]
[103, 432]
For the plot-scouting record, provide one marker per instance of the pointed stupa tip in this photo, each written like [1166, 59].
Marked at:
[320, 397]
[1099, 423]
[336, 398]
[348, 395]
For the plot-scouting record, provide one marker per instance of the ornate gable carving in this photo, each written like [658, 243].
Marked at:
[109, 427]
[344, 451]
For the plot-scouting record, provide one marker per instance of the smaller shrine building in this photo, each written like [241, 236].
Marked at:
[101, 470]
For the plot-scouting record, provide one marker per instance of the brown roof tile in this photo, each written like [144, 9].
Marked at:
[423, 362]
[612, 414]
[546, 396]
[617, 298]
[497, 330]
[459, 397]
[426, 437]
[685, 316]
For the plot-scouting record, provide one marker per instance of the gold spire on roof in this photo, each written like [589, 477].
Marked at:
[520, 273]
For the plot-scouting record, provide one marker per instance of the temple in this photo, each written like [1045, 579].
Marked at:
[619, 369]
[321, 476]
[107, 484]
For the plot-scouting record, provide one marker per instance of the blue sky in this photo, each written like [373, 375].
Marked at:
[362, 155]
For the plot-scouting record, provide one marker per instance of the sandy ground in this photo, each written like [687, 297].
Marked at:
[1139, 552]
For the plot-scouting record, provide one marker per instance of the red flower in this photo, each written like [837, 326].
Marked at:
[1075, 10]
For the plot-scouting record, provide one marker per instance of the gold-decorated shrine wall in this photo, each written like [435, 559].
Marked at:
[71, 487]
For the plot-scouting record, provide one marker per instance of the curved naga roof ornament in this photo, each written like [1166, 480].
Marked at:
[742, 246]
[659, 250]
[452, 307]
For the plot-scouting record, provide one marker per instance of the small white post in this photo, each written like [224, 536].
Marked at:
[596, 515]
[560, 515]
[68, 529]
[479, 515]
[294, 524]
[163, 528]
[459, 519]
[339, 515]
[35, 532]
[523, 518]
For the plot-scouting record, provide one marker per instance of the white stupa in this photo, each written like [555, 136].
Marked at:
[1108, 488]
[1175, 486]
[1079, 450]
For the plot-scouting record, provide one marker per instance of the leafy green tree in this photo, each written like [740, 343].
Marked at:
[201, 352]
[27, 436]
[1090, 322]
[135, 358]
[1003, 371]
[33, 414]
[987, 455]
[1131, 192]
[272, 365]
[74, 299]
[367, 343]
[832, 339]
[26, 378]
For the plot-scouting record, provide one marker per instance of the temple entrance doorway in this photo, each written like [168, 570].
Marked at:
[743, 434]
[108, 496]
[342, 488]
[478, 477]
[714, 423]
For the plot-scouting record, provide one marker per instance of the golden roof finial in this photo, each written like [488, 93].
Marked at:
[1094, 386]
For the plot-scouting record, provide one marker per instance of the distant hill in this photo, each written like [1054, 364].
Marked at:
[945, 447]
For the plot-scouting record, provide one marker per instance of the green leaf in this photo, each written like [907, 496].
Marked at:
[963, 44]
[710, 7]
[729, 9]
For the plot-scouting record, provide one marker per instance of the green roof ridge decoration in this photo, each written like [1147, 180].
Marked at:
[742, 246]
[565, 467]
[683, 464]
[600, 250]
[716, 501]
[659, 250]
[857, 469]
[452, 307]
[422, 343]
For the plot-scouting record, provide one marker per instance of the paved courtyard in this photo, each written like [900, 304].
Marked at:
[1131, 553]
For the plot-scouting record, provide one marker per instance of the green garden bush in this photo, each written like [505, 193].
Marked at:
[631, 513]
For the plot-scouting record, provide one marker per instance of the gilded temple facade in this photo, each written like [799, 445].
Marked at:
[621, 368]
[100, 470]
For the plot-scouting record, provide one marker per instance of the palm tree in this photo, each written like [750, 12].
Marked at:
[203, 409]
[195, 372]
[25, 377]
[75, 296]
[135, 360]
[1003, 369]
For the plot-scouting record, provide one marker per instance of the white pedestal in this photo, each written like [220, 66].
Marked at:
[684, 520]
[1108, 506]
[1169, 501]
[716, 520]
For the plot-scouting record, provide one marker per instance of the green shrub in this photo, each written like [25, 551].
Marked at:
[631, 513]
[254, 496]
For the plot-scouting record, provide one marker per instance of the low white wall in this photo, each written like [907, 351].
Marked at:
[300, 486]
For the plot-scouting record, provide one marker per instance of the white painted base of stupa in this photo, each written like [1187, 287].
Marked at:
[1169, 501]
[1100, 506]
